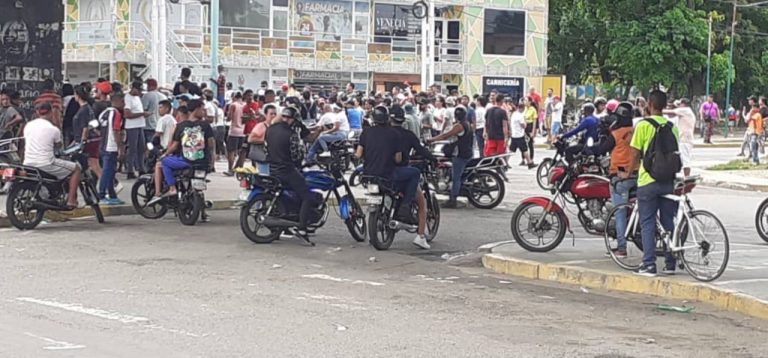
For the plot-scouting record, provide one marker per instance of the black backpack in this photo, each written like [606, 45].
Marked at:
[662, 158]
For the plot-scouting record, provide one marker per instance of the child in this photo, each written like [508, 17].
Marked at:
[166, 125]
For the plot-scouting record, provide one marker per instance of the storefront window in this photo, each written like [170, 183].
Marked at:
[394, 21]
[280, 24]
[504, 33]
[327, 20]
[245, 13]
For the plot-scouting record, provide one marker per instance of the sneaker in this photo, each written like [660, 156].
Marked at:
[668, 270]
[228, 174]
[647, 271]
[523, 163]
[620, 253]
[421, 242]
[450, 204]
[205, 219]
[116, 201]
[155, 199]
[532, 165]
[118, 188]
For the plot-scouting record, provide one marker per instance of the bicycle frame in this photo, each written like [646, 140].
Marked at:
[684, 209]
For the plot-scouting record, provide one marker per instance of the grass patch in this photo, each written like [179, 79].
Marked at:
[739, 164]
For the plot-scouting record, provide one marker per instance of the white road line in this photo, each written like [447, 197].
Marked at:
[336, 279]
[115, 316]
[56, 345]
[736, 282]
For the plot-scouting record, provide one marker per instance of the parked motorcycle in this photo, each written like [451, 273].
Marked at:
[483, 181]
[538, 216]
[271, 208]
[187, 205]
[34, 191]
[543, 171]
[384, 200]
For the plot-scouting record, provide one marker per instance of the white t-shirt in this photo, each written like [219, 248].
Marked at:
[40, 136]
[517, 125]
[479, 118]
[686, 122]
[210, 109]
[441, 113]
[328, 119]
[165, 125]
[133, 103]
[557, 112]
[341, 117]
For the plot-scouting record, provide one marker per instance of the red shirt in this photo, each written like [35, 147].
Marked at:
[251, 110]
[56, 105]
[536, 97]
[249, 126]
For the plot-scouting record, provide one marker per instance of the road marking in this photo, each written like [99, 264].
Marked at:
[320, 276]
[762, 246]
[332, 301]
[56, 345]
[748, 280]
[747, 268]
[95, 312]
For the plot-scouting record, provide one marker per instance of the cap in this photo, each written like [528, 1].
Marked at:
[260, 93]
[285, 87]
[152, 82]
[43, 108]
[397, 113]
[104, 87]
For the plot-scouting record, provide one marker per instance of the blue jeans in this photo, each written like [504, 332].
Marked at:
[754, 146]
[107, 180]
[407, 180]
[650, 199]
[556, 128]
[322, 143]
[480, 140]
[620, 195]
[170, 165]
[456, 176]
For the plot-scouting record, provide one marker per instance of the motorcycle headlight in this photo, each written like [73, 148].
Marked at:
[199, 173]
[373, 188]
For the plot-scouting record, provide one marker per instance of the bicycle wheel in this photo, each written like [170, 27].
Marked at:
[706, 242]
[761, 220]
[542, 174]
[633, 247]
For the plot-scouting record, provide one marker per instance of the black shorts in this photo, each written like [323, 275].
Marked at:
[518, 143]
[234, 143]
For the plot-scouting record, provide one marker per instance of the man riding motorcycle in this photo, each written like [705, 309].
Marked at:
[589, 125]
[407, 142]
[41, 137]
[285, 153]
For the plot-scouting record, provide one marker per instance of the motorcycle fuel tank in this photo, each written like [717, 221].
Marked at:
[557, 173]
[591, 187]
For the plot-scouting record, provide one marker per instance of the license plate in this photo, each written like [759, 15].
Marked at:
[374, 200]
[198, 184]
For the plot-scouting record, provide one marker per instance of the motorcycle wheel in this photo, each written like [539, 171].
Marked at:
[356, 222]
[525, 220]
[482, 184]
[141, 193]
[379, 234]
[542, 174]
[761, 220]
[21, 218]
[433, 217]
[250, 226]
[92, 199]
[189, 208]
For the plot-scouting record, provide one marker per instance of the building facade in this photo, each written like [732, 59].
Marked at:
[478, 45]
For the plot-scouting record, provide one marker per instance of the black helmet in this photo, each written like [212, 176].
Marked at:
[290, 112]
[588, 109]
[397, 113]
[380, 115]
[460, 113]
[625, 110]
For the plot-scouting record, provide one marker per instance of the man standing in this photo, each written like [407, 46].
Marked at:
[480, 107]
[135, 122]
[151, 101]
[710, 115]
[221, 86]
[112, 147]
[236, 130]
[192, 88]
[49, 95]
[548, 107]
[557, 118]
[9, 117]
[686, 123]
[308, 106]
[755, 130]
[496, 129]
[651, 192]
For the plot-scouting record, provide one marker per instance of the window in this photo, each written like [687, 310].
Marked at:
[504, 33]
[245, 13]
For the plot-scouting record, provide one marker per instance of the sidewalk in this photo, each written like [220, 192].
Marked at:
[586, 265]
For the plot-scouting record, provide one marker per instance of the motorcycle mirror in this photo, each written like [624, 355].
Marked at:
[590, 142]
[93, 124]
[150, 146]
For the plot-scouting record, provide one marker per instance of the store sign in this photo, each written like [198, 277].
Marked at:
[512, 86]
[326, 19]
[395, 20]
[326, 76]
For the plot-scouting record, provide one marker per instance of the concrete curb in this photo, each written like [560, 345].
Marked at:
[734, 186]
[108, 211]
[716, 145]
[616, 281]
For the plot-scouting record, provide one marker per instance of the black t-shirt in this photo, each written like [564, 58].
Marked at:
[193, 142]
[281, 143]
[379, 148]
[80, 121]
[408, 141]
[464, 142]
[100, 106]
[494, 123]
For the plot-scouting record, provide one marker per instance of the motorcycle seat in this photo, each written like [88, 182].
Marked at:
[337, 145]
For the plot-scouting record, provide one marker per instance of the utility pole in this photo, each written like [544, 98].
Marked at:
[214, 10]
[730, 64]
[162, 77]
[155, 30]
[709, 54]
[431, 26]
[424, 50]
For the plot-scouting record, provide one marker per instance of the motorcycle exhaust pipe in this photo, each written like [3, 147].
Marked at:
[397, 225]
[39, 205]
[277, 222]
[208, 204]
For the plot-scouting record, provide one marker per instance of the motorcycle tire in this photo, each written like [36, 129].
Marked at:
[16, 194]
[354, 178]
[92, 199]
[475, 200]
[557, 218]
[542, 174]
[433, 217]
[189, 208]
[356, 222]
[249, 213]
[139, 200]
[761, 220]
[380, 236]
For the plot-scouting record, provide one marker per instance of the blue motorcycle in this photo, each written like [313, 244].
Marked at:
[272, 209]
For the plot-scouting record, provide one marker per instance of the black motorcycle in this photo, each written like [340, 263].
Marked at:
[384, 200]
[34, 191]
[188, 205]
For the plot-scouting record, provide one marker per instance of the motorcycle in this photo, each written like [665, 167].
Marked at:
[384, 200]
[761, 220]
[8, 155]
[34, 191]
[188, 205]
[574, 183]
[544, 169]
[482, 177]
[271, 209]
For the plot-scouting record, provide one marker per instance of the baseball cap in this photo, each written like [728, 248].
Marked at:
[104, 87]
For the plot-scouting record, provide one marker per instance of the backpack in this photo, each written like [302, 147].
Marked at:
[662, 158]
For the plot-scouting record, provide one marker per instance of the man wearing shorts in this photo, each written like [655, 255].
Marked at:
[41, 137]
[686, 122]
[496, 129]
[517, 134]
[236, 131]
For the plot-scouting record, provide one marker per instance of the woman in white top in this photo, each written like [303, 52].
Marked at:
[440, 114]
[480, 104]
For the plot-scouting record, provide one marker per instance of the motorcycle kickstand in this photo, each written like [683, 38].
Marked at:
[304, 238]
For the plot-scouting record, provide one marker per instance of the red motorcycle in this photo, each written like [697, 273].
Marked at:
[539, 223]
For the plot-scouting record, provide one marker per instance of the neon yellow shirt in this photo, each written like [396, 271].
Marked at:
[530, 115]
[641, 140]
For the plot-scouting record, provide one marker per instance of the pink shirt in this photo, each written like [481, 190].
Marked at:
[236, 126]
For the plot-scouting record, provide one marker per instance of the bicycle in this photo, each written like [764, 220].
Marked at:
[692, 241]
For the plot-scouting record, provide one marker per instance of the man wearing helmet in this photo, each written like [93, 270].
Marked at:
[285, 152]
[589, 125]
